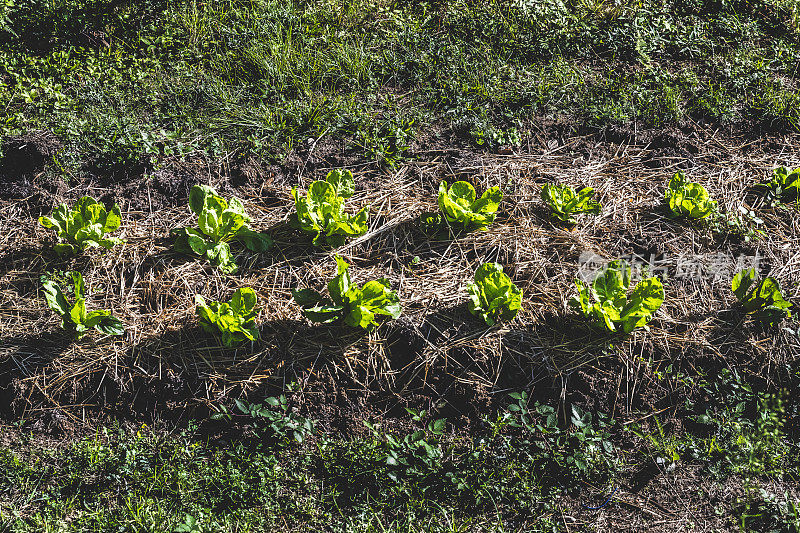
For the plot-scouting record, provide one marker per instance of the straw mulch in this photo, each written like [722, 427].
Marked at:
[437, 354]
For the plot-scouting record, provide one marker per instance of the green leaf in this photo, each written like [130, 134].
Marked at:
[324, 313]
[110, 325]
[254, 241]
[493, 296]
[608, 305]
[306, 297]
[646, 299]
[197, 198]
[613, 283]
[48, 222]
[55, 298]
[233, 322]
[380, 299]
[458, 205]
[763, 299]
[342, 181]
[93, 319]
[77, 314]
[83, 226]
[243, 301]
[321, 211]
[341, 283]
[741, 284]
[564, 202]
[688, 199]
[360, 316]
[358, 305]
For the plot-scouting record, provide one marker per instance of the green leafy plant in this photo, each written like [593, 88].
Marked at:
[220, 222]
[235, 321]
[74, 317]
[564, 202]
[431, 223]
[321, 211]
[763, 299]
[83, 226]
[688, 199]
[496, 138]
[744, 224]
[581, 450]
[282, 424]
[605, 300]
[415, 455]
[493, 296]
[386, 142]
[358, 305]
[460, 206]
[784, 185]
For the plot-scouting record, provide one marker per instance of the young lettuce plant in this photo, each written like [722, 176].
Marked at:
[606, 302]
[492, 295]
[460, 206]
[83, 226]
[234, 321]
[358, 305]
[220, 222]
[564, 202]
[321, 211]
[688, 199]
[762, 299]
[74, 317]
[785, 185]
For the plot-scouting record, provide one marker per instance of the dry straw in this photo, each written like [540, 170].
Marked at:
[165, 360]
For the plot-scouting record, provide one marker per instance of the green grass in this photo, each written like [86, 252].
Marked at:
[132, 83]
[266, 467]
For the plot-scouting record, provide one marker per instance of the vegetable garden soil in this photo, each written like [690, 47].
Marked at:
[436, 356]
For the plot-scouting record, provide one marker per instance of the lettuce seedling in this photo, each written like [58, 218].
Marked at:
[83, 226]
[459, 206]
[605, 300]
[358, 305]
[565, 202]
[321, 211]
[762, 299]
[220, 222]
[493, 296]
[74, 317]
[234, 321]
[785, 185]
[688, 199]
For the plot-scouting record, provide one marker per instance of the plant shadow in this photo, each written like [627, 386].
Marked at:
[23, 357]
